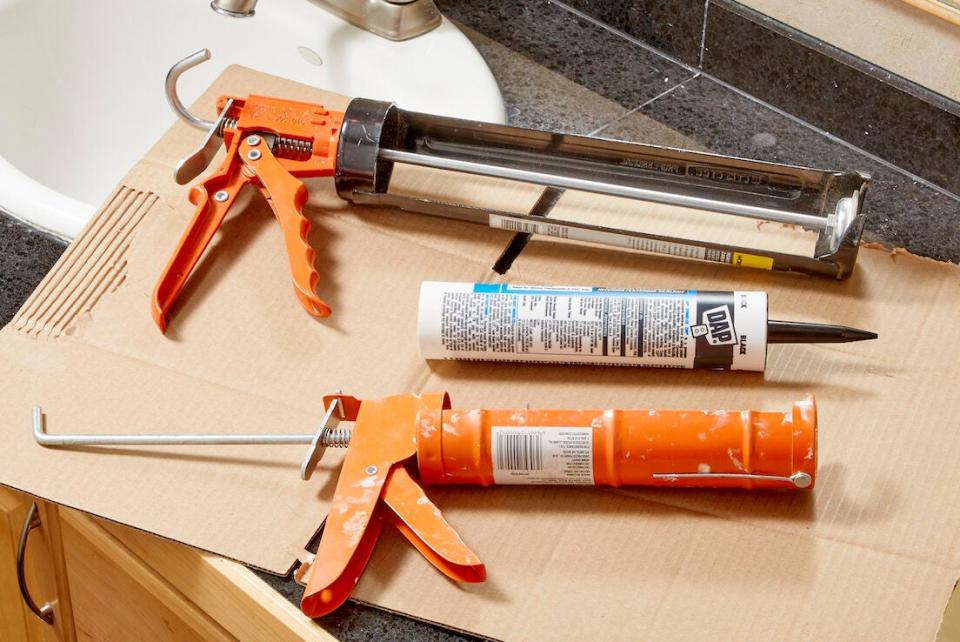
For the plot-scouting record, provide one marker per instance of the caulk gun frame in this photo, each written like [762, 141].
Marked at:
[376, 135]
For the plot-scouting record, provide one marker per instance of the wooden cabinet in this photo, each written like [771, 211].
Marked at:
[108, 582]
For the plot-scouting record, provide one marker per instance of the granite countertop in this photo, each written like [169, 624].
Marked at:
[560, 71]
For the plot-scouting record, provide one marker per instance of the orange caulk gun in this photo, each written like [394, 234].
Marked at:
[272, 143]
[396, 435]
[394, 438]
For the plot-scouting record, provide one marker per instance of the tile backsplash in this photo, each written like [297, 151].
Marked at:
[871, 108]
[673, 26]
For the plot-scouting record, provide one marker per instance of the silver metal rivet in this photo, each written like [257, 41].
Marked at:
[254, 154]
[221, 196]
[801, 480]
[370, 470]
[253, 140]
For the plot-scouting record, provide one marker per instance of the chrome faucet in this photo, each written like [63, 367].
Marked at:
[391, 19]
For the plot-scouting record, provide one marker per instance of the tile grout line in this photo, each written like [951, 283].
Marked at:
[796, 119]
[643, 104]
[865, 67]
[512, 251]
[703, 33]
[626, 36]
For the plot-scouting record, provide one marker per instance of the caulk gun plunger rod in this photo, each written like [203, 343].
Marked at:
[600, 186]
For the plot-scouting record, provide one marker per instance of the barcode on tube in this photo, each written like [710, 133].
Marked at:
[519, 451]
[542, 454]
[518, 226]
[545, 228]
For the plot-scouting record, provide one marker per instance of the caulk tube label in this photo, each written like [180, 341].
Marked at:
[653, 328]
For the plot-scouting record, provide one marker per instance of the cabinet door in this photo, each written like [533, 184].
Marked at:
[123, 584]
[116, 596]
[17, 622]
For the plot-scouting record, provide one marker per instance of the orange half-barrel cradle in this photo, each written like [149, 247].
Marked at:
[677, 448]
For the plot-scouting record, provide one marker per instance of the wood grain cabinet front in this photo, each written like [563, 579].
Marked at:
[108, 582]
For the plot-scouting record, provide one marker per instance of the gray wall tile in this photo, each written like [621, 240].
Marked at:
[673, 26]
[795, 73]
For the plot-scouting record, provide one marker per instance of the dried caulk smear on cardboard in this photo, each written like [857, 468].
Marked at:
[872, 552]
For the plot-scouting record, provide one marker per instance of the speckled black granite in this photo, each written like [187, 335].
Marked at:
[578, 49]
[26, 256]
[817, 83]
[673, 26]
[355, 622]
[901, 212]
[536, 97]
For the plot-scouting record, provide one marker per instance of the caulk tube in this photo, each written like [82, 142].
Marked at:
[599, 326]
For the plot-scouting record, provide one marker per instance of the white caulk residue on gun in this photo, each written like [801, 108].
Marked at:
[653, 328]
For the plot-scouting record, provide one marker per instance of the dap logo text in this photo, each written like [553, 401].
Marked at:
[717, 327]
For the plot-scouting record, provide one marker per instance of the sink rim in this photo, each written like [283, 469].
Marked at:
[59, 212]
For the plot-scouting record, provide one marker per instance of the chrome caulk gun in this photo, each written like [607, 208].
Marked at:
[272, 143]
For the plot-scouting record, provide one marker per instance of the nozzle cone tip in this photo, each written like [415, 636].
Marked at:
[853, 334]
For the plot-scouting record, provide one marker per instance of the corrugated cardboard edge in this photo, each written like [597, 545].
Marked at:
[93, 265]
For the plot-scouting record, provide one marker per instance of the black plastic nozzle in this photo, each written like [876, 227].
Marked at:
[799, 332]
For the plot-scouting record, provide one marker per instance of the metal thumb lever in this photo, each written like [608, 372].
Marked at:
[197, 162]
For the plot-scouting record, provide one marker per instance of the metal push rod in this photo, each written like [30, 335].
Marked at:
[594, 185]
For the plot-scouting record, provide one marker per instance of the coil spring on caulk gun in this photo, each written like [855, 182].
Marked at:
[292, 148]
[283, 146]
[337, 437]
[226, 123]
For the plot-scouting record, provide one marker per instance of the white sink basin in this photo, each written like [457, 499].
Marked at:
[82, 84]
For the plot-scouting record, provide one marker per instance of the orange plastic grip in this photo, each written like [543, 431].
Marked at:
[732, 449]
[304, 137]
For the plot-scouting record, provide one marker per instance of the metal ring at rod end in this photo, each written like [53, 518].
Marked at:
[44, 612]
[170, 88]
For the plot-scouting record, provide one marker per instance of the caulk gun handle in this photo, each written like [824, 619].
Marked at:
[374, 486]
[286, 195]
[213, 198]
